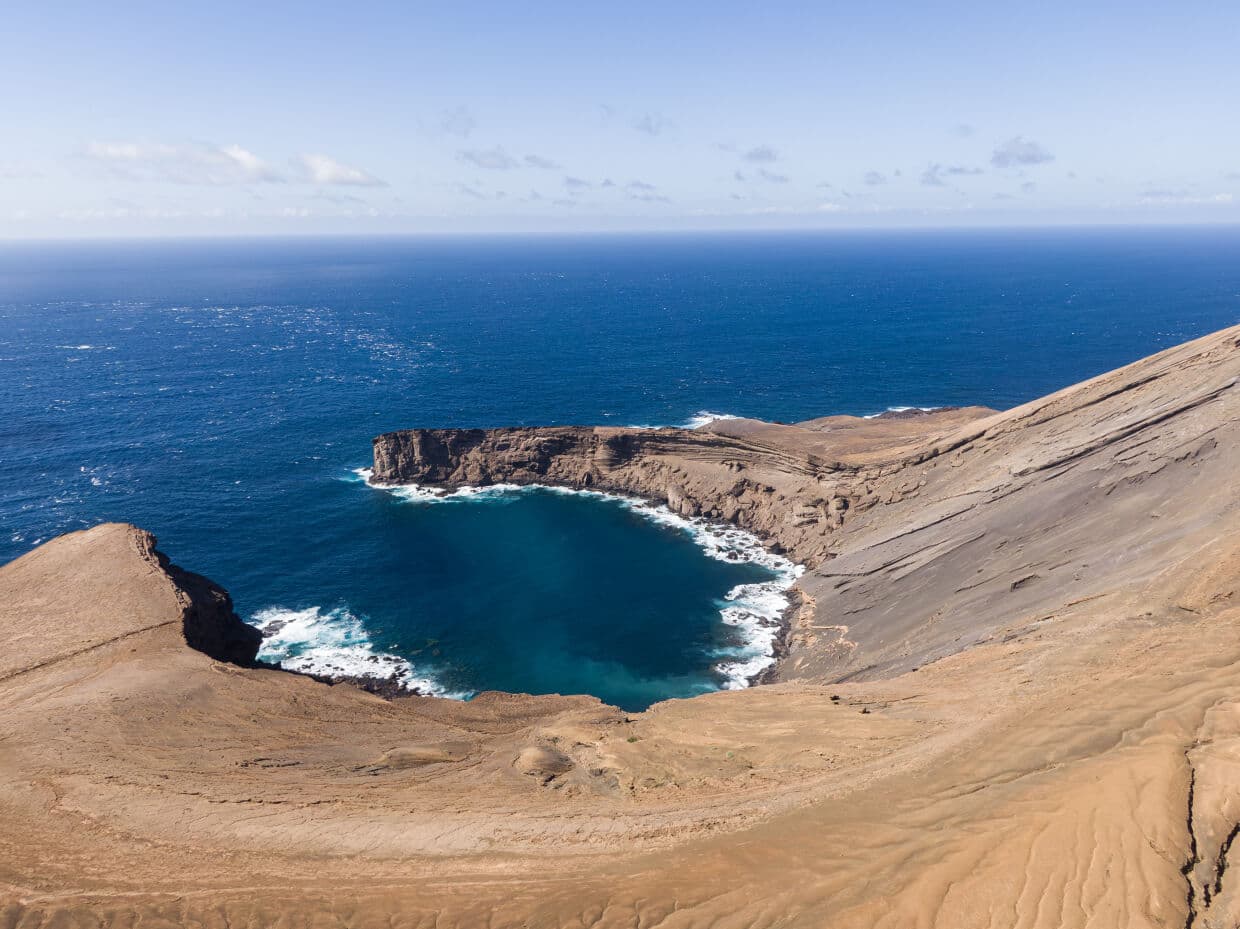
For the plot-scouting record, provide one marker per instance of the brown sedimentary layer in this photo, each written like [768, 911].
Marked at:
[1011, 698]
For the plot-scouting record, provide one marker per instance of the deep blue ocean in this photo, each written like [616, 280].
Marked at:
[223, 393]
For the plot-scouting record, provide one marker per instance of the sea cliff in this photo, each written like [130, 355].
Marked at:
[792, 485]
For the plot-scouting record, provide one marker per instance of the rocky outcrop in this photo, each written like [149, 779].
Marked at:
[209, 623]
[771, 480]
[115, 573]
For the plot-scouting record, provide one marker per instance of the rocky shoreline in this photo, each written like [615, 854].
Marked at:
[790, 485]
[783, 641]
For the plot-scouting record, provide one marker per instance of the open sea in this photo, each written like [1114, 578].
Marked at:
[223, 394]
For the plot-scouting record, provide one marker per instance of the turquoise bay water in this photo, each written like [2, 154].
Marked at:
[221, 394]
[494, 588]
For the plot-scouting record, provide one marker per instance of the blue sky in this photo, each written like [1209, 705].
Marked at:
[231, 118]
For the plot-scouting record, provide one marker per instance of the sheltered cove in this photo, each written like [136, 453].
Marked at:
[1011, 696]
[756, 611]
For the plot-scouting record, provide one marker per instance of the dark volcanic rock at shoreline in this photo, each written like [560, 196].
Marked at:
[211, 625]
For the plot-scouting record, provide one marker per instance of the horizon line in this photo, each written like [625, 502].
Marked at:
[595, 232]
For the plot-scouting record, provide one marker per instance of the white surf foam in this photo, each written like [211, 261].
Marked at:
[416, 493]
[334, 644]
[902, 409]
[698, 419]
[753, 610]
[704, 418]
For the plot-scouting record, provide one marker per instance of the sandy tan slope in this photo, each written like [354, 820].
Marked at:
[1011, 698]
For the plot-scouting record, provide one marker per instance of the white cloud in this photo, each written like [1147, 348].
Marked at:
[196, 163]
[1182, 197]
[339, 199]
[762, 174]
[217, 165]
[761, 154]
[479, 194]
[1018, 151]
[323, 169]
[651, 124]
[249, 164]
[458, 122]
[936, 174]
[827, 207]
[492, 159]
[641, 190]
[544, 164]
[18, 171]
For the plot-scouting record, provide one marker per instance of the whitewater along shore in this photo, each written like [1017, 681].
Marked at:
[1011, 698]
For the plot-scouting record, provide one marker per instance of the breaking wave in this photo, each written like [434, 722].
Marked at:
[696, 421]
[334, 644]
[902, 409]
[705, 417]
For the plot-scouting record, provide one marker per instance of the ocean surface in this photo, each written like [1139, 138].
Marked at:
[223, 394]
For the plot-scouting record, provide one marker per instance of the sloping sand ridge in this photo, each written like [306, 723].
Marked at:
[1011, 697]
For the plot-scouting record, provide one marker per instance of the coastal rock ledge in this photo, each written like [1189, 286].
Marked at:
[790, 484]
[1010, 697]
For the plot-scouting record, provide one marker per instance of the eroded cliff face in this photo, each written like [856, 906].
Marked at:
[116, 575]
[695, 474]
[776, 481]
[209, 622]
